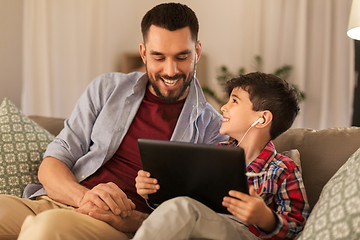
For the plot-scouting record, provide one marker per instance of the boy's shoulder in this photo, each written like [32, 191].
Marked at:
[284, 162]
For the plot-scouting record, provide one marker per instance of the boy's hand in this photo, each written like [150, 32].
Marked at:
[145, 185]
[250, 209]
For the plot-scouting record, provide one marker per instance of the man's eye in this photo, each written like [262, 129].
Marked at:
[182, 57]
[159, 58]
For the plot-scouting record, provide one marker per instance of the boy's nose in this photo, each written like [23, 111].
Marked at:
[222, 108]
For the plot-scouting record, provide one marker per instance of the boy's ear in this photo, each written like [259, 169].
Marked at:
[267, 116]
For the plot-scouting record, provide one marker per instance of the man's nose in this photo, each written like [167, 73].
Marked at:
[170, 68]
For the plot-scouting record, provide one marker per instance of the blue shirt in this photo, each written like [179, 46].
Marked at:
[103, 114]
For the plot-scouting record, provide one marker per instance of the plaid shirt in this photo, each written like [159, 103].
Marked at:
[284, 192]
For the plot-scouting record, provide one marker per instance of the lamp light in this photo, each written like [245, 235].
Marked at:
[354, 21]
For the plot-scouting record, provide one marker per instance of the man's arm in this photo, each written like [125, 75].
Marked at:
[128, 224]
[61, 185]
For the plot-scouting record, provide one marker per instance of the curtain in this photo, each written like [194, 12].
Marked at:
[67, 43]
[309, 35]
[62, 51]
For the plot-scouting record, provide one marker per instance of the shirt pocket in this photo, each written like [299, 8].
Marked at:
[269, 191]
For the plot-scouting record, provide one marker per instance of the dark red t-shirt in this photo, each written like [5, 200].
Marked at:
[155, 119]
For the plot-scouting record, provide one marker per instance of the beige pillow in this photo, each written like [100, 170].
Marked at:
[294, 154]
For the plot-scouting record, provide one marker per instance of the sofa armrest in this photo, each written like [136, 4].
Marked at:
[53, 125]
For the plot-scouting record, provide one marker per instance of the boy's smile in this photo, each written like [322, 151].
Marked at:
[225, 119]
[238, 114]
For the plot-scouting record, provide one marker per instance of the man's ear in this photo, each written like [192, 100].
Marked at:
[142, 51]
[198, 51]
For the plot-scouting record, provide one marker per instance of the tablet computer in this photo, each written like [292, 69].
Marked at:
[203, 172]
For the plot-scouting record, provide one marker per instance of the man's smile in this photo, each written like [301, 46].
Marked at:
[170, 83]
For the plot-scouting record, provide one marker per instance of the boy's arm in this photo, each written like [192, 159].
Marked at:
[285, 222]
[292, 207]
[251, 209]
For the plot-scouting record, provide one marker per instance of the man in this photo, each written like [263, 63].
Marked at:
[88, 173]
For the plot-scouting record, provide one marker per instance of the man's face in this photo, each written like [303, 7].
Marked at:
[170, 58]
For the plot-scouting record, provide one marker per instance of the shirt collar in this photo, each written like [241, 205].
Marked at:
[264, 158]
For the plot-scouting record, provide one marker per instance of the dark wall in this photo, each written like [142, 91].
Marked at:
[356, 113]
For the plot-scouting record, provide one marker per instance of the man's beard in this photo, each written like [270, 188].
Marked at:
[186, 83]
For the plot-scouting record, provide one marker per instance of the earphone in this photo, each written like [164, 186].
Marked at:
[197, 101]
[260, 120]
[252, 174]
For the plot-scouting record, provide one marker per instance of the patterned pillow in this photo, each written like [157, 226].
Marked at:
[22, 144]
[337, 213]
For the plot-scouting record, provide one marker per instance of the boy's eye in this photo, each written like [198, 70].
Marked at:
[234, 100]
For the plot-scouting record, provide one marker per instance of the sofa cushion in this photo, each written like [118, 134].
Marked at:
[22, 144]
[337, 213]
[322, 153]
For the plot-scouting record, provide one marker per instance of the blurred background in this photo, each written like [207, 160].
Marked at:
[50, 50]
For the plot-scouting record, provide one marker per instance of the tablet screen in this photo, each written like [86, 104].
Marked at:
[203, 172]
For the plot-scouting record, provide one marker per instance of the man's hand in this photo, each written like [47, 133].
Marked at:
[127, 224]
[108, 196]
[250, 209]
[146, 185]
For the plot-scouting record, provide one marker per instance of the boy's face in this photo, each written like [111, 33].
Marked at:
[170, 58]
[238, 114]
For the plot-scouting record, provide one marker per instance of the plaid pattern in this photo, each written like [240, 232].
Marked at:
[284, 192]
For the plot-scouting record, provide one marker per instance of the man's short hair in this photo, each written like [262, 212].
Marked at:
[171, 16]
[269, 92]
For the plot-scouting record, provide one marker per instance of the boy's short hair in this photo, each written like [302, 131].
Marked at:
[269, 92]
[171, 16]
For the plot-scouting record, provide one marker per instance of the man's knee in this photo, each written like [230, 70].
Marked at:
[51, 220]
[66, 224]
[48, 224]
[13, 211]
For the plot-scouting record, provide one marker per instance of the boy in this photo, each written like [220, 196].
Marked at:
[260, 108]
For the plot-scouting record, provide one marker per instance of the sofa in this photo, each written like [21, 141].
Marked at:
[324, 156]
[322, 152]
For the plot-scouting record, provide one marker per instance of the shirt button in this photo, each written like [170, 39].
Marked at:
[83, 176]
